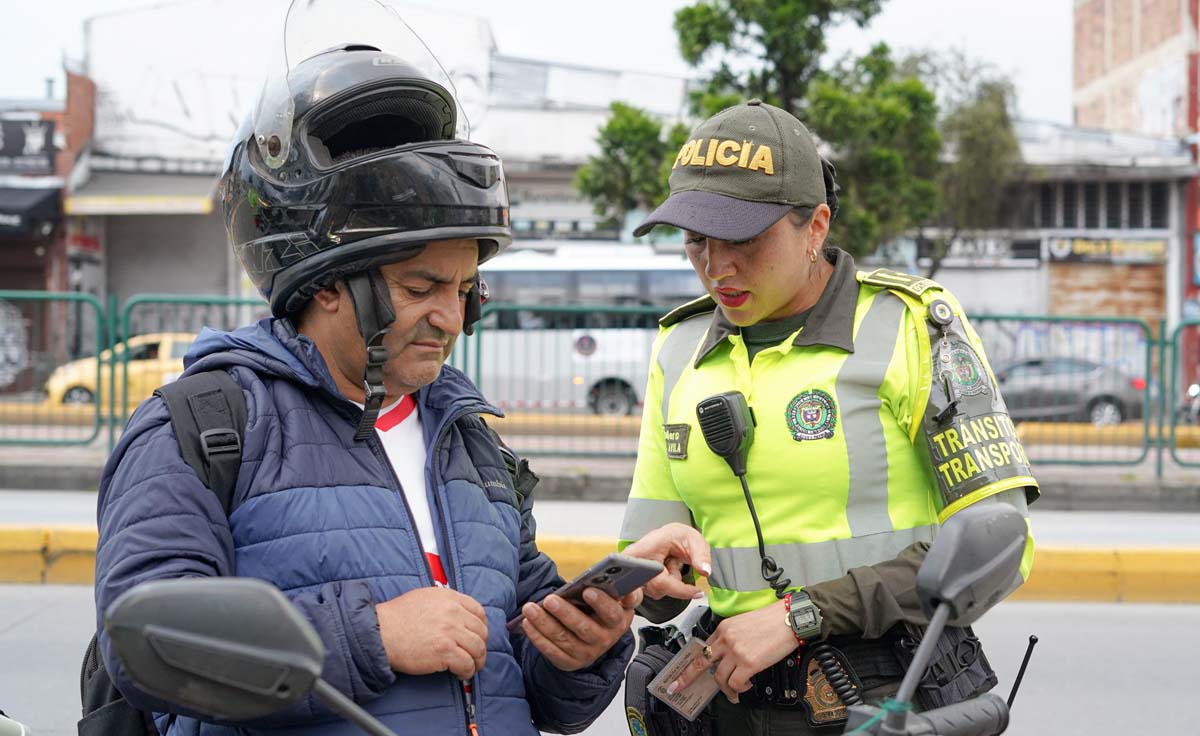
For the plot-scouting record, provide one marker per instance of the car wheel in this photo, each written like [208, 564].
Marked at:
[613, 399]
[1105, 412]
[78, 395]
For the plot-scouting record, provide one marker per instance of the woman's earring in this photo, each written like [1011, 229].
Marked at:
[812, 256]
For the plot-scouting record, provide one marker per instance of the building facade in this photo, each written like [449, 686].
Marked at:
[1137, 69]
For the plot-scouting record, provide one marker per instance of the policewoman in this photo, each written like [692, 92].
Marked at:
[875, 417]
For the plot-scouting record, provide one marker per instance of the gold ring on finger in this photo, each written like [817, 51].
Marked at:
[707, 652]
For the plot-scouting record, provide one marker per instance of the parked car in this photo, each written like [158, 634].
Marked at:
[154, 359]
[1070, 389]
[1188, 411]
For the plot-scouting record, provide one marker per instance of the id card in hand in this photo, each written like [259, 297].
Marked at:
[689, 701]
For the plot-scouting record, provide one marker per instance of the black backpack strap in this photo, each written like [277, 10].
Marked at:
[208, 413]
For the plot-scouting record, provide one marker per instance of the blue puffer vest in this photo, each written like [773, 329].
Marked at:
[323, 518]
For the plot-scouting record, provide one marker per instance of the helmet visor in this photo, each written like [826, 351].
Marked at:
[314, 26]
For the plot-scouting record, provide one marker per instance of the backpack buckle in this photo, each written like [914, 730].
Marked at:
[220, 441]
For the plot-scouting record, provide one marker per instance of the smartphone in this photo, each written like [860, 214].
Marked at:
[616, 574]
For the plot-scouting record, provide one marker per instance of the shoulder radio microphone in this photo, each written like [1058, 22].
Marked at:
[727, 423]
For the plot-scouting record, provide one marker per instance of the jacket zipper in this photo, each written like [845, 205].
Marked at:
[468, 687]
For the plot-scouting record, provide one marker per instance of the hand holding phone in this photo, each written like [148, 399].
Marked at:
[617, 575]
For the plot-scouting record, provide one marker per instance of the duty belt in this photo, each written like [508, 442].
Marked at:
[863, 663]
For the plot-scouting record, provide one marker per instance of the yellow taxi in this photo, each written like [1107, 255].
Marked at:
[153, 359]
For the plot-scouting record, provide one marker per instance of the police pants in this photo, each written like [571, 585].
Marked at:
[767, 720]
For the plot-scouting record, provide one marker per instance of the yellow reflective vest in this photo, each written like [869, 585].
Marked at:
[874, 422]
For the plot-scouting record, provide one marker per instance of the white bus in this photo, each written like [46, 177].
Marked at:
[570, 330]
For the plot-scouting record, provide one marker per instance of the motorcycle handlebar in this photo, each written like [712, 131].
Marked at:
[986, 715]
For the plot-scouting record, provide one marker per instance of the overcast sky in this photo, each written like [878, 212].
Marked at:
[1028, 39]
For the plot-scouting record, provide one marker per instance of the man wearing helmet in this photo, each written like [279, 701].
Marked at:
[370, 491]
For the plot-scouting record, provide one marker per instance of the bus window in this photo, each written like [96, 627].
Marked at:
[534, 287]
[608, 287]
[671, 288]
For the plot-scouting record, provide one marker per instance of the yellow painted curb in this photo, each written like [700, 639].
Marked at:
[1132, 434]
[71, 554]
[66, 554]
[45, 414]
[574, 555]
[22, 554]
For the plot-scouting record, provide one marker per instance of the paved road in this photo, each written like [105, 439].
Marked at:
[595, 519]
[1099, 670]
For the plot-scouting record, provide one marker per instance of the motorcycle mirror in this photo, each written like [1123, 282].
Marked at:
[973, 562]
[229, 648]
[1193, 390]
[9, 727]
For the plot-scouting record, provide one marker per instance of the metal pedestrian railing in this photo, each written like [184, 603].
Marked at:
[1183, 410]
[570, 378]
[50, 375]
[1083, 391]
[160, 328]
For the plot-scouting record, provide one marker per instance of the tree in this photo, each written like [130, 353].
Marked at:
[881, 124]
[633, 165]
[982, 152]
[770, 50]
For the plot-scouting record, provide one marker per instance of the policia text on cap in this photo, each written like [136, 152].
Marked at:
[876, 417]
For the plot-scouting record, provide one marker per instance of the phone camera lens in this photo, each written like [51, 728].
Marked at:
[613, 570]
[599, 580]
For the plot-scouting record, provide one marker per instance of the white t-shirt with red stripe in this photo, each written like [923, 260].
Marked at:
[399, 429]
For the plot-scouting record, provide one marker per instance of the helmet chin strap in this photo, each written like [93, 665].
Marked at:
[374, 313]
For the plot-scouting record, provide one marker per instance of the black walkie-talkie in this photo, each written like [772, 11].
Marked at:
[727, 423]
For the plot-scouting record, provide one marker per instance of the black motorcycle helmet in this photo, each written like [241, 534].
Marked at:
[365, 171]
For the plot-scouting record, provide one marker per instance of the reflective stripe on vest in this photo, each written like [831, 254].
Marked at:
[677, 351]
[867, 504]
[644, 515]
[739, 568]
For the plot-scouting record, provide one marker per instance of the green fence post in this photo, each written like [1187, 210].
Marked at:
[1176, 386]
[1163, 357]
[47, 301]
[113, 339]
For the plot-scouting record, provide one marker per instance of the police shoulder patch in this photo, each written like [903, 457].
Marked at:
[697, 306]
[637, 722]
[959, 362]
[898, 281]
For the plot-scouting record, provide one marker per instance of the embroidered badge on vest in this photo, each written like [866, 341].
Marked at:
[812, 415]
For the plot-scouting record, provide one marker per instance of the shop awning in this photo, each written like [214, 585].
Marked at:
[113, 193]
[25, 211]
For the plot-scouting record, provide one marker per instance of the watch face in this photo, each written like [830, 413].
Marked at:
[803, 619]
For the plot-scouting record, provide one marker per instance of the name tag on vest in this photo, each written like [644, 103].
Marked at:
[676, 436]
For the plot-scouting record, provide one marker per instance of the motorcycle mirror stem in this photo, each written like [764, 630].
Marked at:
[896, 721]
[349, 710]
